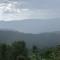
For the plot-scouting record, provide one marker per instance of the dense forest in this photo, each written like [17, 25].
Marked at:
[18, 51]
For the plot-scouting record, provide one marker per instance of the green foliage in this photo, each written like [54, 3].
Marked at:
[3, 50]
[35, 53]
[12, 51]
[18, 50]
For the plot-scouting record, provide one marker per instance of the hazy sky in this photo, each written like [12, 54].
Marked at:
[29, 9]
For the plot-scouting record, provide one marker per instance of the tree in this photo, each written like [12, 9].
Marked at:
[13, 51]
[35, 53]
[34, 49]
[19, 49]
[3, 51]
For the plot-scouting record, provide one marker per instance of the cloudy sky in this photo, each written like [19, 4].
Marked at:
[29, 9]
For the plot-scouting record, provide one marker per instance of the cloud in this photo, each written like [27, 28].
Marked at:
[10, 11]
[46, 13]
[41, 4]
[14, 11]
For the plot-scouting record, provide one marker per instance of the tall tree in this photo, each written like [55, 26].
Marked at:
[19, 49]
[3, 51]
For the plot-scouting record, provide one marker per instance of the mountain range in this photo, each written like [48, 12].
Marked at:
[42, 33]
[40, 40]
[34, 26]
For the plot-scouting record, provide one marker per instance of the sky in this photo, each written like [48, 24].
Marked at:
[29, 9]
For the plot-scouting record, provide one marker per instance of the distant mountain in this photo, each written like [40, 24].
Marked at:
[32, 25]
[40, 40]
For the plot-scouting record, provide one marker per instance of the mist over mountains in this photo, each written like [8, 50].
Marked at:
[32, 25]
[42, 33]
[40, 40]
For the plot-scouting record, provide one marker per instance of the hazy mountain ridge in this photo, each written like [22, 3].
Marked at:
[32, 25]
[40, 40]
[8, 32]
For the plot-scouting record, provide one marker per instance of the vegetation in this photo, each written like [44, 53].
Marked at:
[18, 51]
[41, 40]
[12, 51]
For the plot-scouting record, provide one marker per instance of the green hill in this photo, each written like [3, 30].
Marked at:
[41, 40]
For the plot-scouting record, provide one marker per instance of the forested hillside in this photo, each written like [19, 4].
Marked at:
[41, 40]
